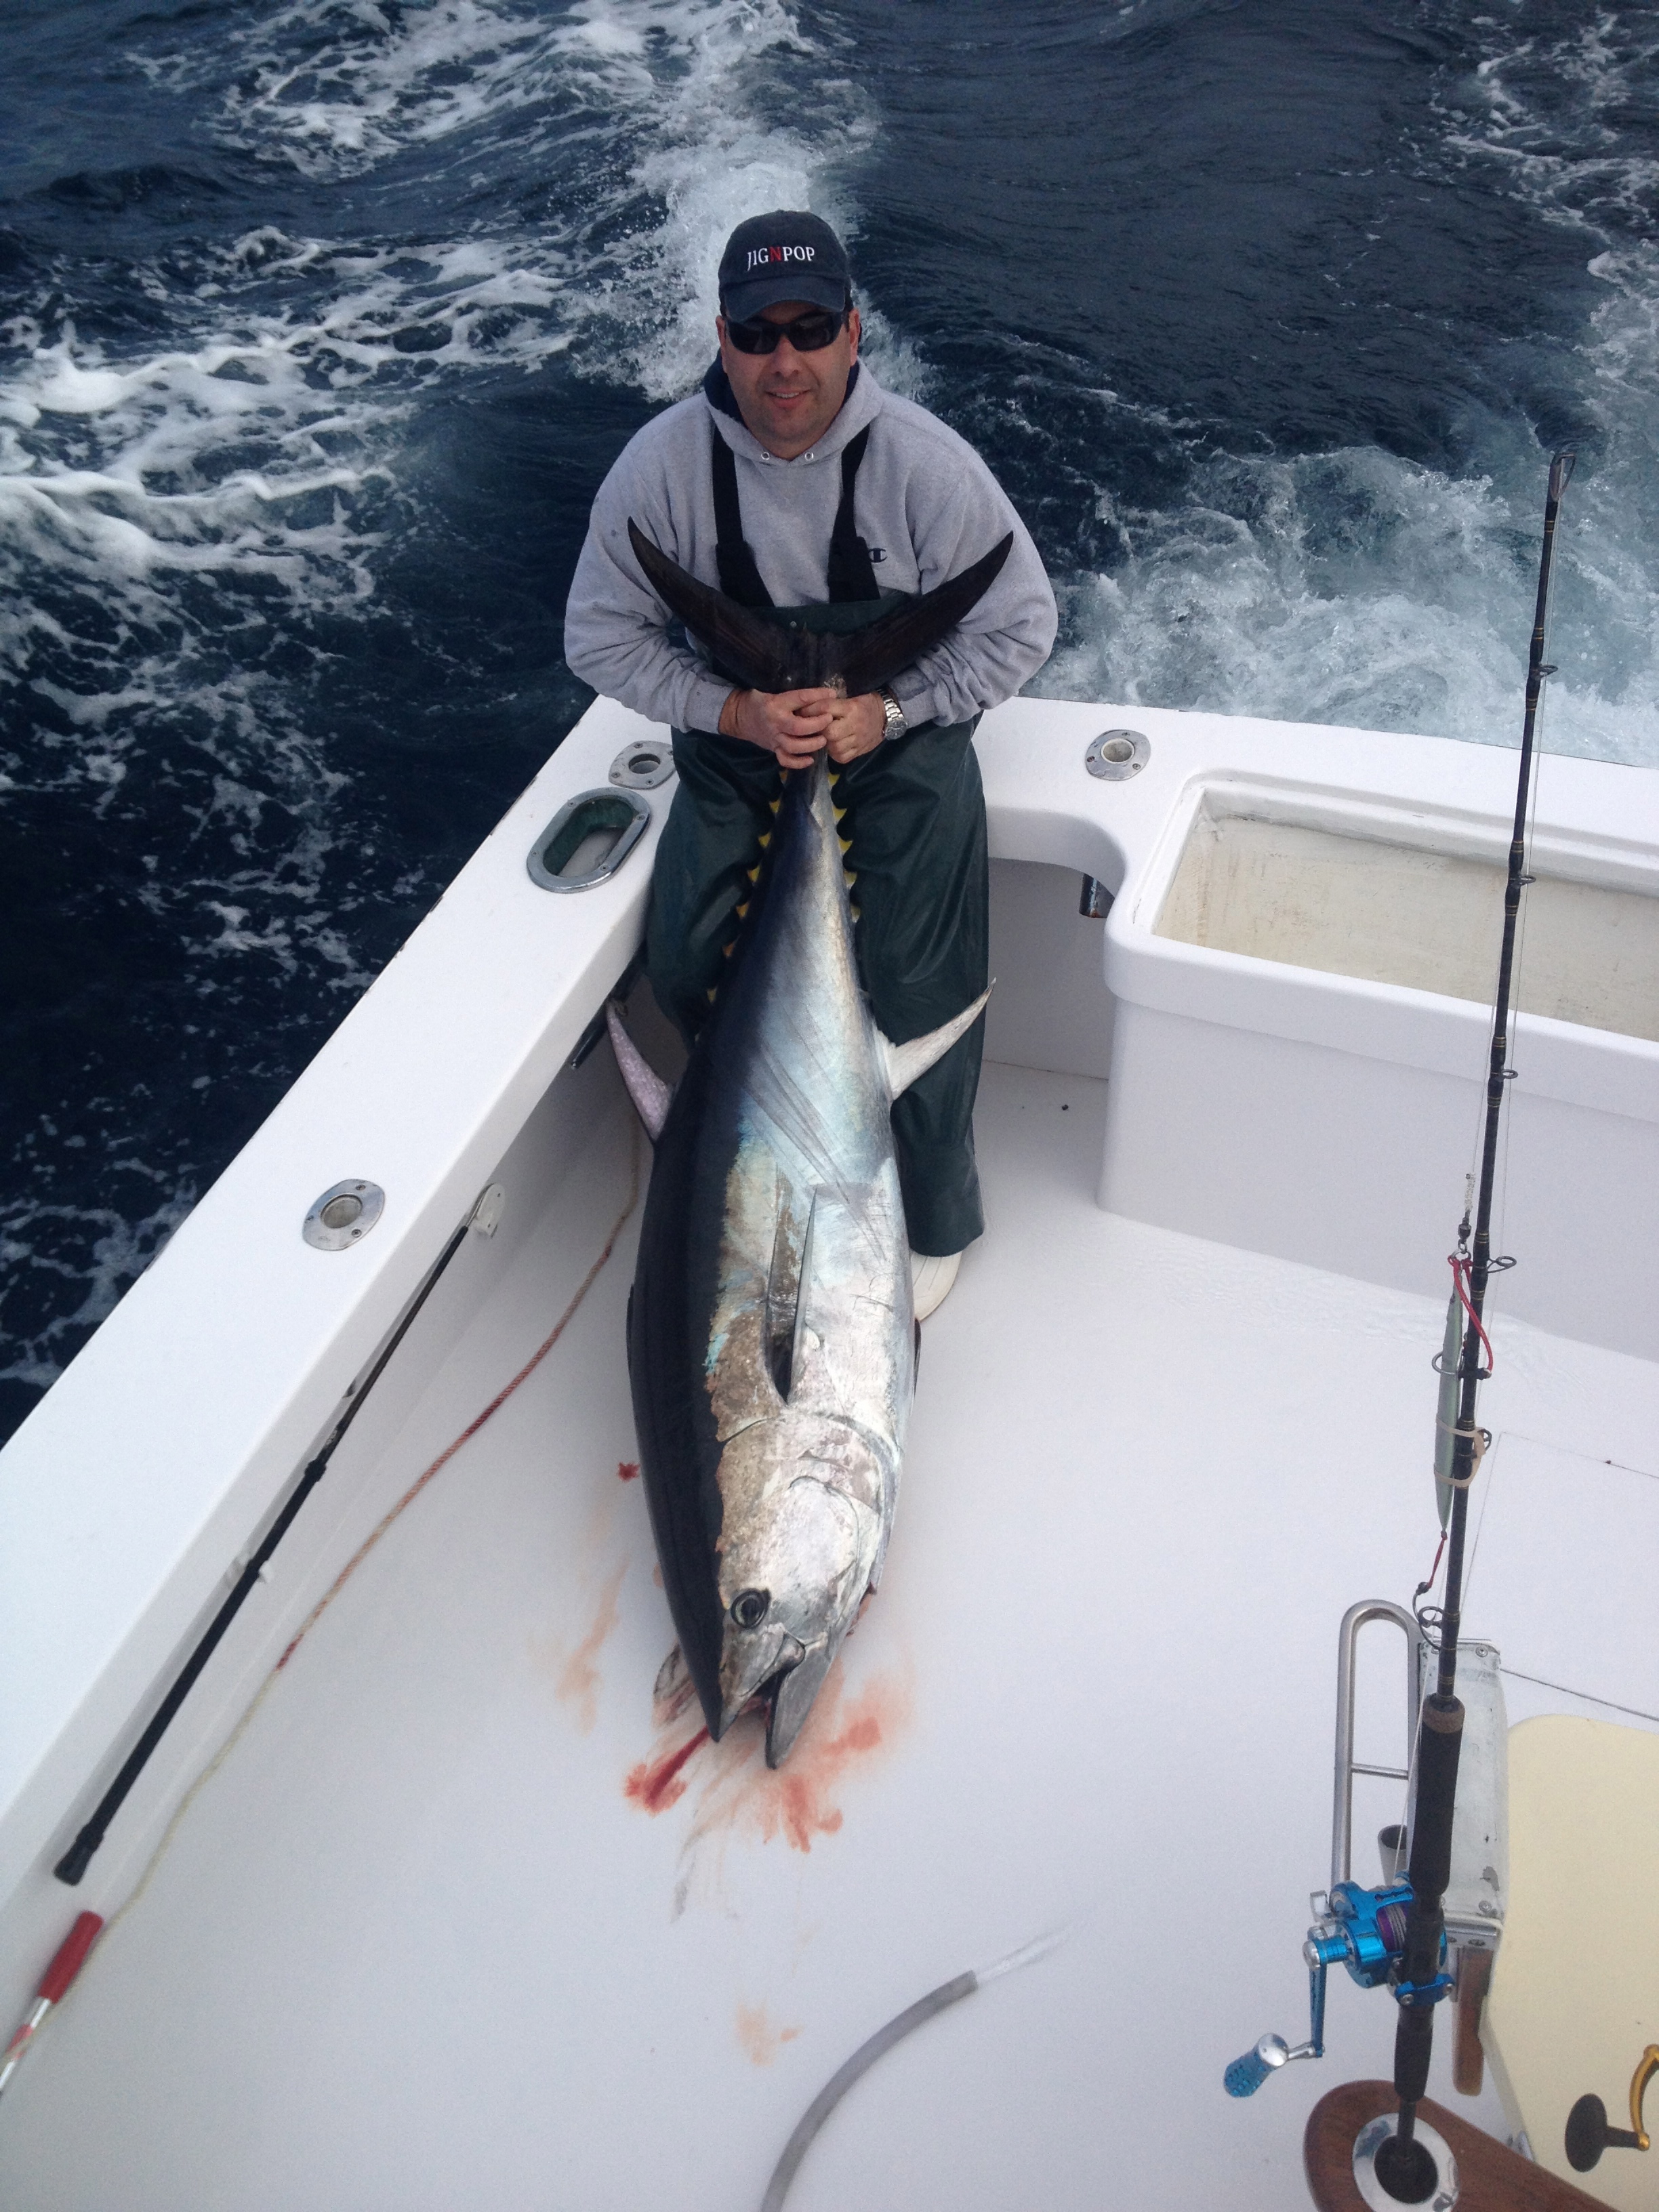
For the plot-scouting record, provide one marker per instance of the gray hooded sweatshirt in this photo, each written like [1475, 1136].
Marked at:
[925, 504]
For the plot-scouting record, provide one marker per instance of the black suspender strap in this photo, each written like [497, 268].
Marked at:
[740, 580]
[852, 573]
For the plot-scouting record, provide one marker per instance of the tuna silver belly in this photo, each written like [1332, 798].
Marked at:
[771, 1341]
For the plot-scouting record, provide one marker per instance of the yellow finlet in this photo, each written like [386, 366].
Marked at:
[709, 995]
[726, 951]
[851, 877]
[840, 814]
[741, 910]
[846, 844]
[775, 804]
[754, 873]
[856, 912]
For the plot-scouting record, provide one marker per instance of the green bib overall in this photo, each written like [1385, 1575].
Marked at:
[915, 814]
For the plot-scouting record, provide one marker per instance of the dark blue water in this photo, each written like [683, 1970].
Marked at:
[319, 324]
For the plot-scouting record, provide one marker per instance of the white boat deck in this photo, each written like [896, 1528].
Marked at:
[444, 1929]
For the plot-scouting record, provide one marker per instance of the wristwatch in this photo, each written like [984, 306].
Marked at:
[891, 708]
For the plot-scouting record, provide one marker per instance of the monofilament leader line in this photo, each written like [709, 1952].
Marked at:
[1402, 2163]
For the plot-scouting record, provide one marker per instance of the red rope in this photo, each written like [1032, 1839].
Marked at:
[1460, 1268]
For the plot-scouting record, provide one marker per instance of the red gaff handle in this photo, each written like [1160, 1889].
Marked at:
[71, 1957]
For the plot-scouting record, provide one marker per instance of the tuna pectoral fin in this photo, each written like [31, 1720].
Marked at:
[792, 1701]
[649, 1093]
[876, 653]
[905, 1062]
[759, 652]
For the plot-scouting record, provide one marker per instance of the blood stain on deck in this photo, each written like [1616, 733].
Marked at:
[761, 2039]
[627, 1469]
[799, 1800]
[657, 1783]
[578, 1680]
[737, 1792]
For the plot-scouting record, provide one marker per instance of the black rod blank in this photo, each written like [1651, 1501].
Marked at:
[79, 1855]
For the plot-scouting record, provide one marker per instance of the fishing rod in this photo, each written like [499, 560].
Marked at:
[1394, 1935]
[72, 1867]
[1404, 2167]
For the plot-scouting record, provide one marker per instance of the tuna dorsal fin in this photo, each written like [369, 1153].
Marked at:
[905, 1062]
[758, 653]
[649, 1093]
[870, 657]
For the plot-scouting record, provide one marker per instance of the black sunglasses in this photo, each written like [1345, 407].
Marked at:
[808, 333]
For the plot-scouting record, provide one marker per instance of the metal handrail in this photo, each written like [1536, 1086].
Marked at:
[1375, 1608]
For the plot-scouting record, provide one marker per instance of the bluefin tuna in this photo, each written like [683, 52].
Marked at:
[772, 1346]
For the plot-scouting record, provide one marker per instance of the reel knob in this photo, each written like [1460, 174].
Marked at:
[1246, 2074]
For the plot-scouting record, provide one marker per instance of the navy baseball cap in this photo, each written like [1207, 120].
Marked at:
[782, 255]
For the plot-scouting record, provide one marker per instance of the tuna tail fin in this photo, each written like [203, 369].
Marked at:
[649, 1093]
[755, 651]
[873, 655]
[905, 1062]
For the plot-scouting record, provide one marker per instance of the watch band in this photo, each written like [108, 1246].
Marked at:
[897, 725]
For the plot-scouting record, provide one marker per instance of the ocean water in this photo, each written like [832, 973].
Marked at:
[320, 322]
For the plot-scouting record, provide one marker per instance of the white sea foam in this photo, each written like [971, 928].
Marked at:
[271, 449]
[684, 140]
[1359, 588]
[338, 86]
[1353, 588]
[93, 1251]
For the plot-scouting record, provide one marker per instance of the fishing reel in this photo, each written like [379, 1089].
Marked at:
[1361, 1930]
[1365, 1931]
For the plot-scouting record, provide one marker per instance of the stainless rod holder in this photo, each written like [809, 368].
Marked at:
[1355, 1619]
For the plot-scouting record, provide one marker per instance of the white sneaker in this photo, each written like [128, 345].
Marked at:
[931, 1277]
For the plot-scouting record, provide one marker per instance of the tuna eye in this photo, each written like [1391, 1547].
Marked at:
[749, 1608]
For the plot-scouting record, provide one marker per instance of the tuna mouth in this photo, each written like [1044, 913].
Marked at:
[792, 1692]
[750, 1679]
[786, 1697]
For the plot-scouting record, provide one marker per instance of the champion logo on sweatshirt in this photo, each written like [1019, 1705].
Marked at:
[760, 255]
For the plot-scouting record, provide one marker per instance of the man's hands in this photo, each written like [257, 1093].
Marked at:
[797, 726]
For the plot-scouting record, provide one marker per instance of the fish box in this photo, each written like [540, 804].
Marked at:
[1303, 979]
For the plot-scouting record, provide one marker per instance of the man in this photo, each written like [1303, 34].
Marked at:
[792, 480]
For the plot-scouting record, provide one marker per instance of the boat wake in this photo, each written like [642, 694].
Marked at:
[1353, 585]
[257, 590]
